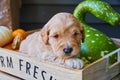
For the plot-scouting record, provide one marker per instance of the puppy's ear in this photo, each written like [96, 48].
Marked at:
[82, 32]
[45, 34]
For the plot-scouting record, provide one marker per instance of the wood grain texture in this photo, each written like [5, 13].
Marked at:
[35, 14]
[4, 76]
[113, 2]
[25, 67]
[28, 68]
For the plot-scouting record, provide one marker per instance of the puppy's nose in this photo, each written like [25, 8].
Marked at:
[67, 50]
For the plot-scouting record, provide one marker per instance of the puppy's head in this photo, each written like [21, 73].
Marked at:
[63, 33]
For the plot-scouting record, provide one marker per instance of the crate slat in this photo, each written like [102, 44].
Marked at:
[4, 76]
[25, 67]
[96, 70]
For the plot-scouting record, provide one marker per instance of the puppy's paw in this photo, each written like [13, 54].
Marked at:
[74, 63]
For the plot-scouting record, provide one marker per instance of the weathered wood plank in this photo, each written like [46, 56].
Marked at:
[117, 77]
[113, 70]
[4, 76]
[101, 70]
[38, 14]
[42, 13]
[35, 13]
[105, 28]
[30, 69]
[113, 2]
[51, 1]
[96, 71]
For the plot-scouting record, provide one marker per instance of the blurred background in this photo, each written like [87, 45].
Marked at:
[35, 14]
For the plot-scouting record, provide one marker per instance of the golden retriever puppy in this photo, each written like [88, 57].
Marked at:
[58, 41]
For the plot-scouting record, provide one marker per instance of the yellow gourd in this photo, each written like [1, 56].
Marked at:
[5, 35]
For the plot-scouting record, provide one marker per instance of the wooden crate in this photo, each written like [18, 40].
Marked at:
[17, 66]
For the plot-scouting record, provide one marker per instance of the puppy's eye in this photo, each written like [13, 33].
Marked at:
[75, 34]
[56, 36]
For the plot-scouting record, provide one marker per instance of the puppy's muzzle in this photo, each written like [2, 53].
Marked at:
[67, 50]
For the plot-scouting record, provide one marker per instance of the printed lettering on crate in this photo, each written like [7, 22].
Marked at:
[27, 68]
[22, 66]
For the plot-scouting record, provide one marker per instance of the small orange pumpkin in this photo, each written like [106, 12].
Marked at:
[9, 46]
[19, 31]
